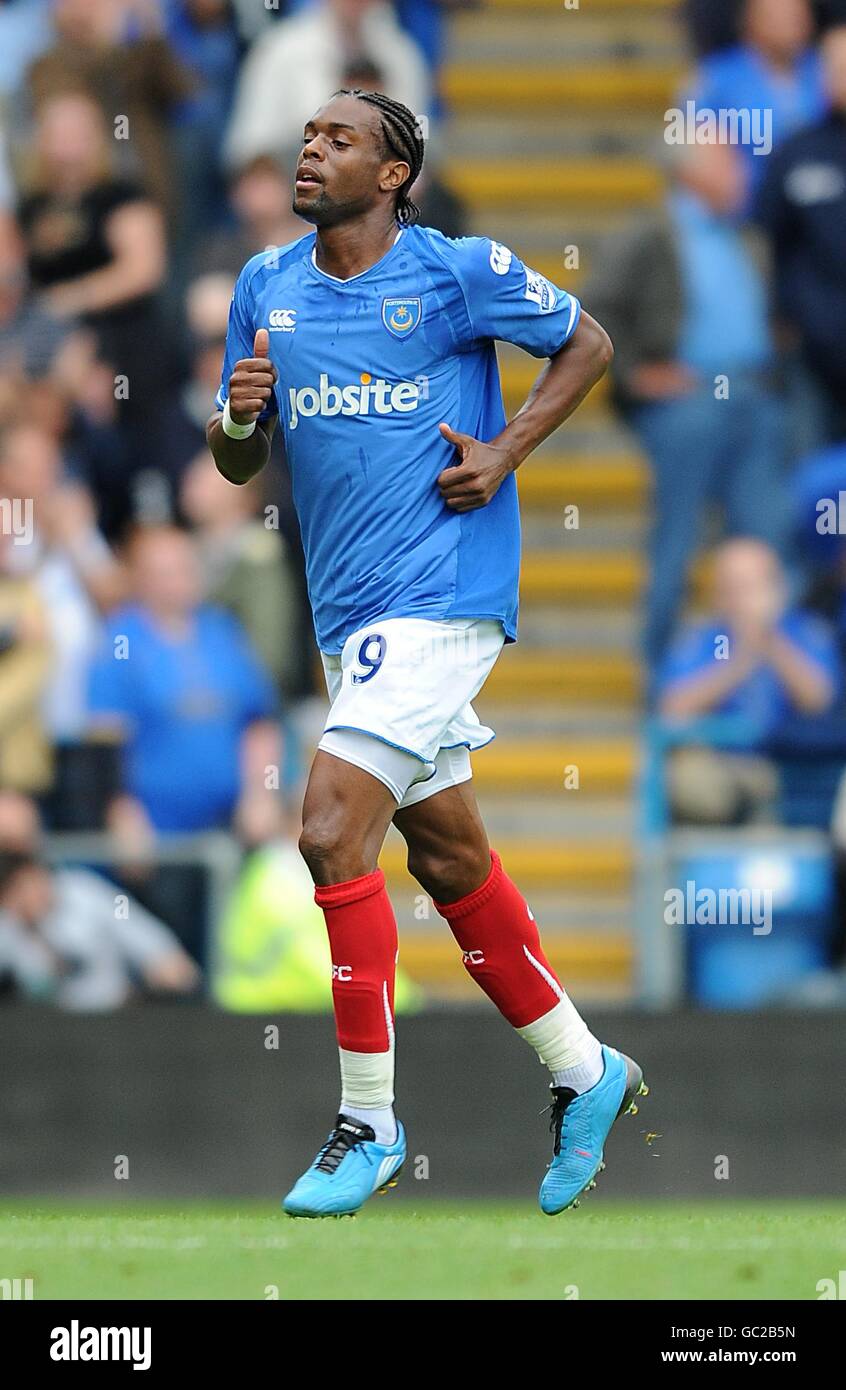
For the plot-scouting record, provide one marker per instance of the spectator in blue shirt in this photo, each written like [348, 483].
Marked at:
[181, 684]
[773, 69]
[683, 297]
[756, 661]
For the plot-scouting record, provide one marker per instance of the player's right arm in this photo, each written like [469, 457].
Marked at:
[250, 392]
[246, 396]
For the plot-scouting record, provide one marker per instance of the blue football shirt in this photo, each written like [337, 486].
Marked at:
[368, 367]
[762, 699]
[185, 703]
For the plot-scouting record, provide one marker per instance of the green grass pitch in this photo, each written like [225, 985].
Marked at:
[421, 1249]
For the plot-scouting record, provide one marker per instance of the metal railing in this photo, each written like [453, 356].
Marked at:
[660, 951]
[217, 854]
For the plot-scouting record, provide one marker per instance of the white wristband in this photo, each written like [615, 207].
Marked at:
[235, 431]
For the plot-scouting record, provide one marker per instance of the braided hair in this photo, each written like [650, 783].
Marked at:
[403, 138]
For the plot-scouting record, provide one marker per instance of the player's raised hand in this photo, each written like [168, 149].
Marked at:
[474, 480]
[252, 381]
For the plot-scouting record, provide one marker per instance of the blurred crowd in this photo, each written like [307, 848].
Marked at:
[157, 658]
[727, 306]
[157, 662]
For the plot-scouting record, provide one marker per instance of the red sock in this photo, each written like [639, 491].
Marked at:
[363, 940]
[502, 950]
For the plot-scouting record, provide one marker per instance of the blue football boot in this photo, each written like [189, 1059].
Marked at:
[580, 1125]
[349, 1168]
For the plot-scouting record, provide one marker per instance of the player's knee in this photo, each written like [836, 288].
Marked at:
[322, 846]
[449, 872]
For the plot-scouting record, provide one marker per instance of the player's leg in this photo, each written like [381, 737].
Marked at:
[346, 813]
[400, 690]
[448, 854]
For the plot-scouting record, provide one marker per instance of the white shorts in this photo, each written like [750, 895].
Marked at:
[401, 691]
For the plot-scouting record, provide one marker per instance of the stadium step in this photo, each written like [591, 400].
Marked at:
[572, 35]
[555, 813]
[578, 530]
[593, 677]
[603, 914]
[595, 967]
[518, 381]
[585, 132]
[570, 249]
[594, 482]
[595, 87]
[579, 629]
[602, 866]
[603, 765]
[556, 110]
[519, 372]
[589, 577]
[557, 718]
[581, 576]
[565, 182]
[609, 8]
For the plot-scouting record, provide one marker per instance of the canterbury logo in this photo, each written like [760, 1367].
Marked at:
[500, 258]
[284, 320]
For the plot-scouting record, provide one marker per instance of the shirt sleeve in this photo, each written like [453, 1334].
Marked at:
[240, 338]
[507, 300]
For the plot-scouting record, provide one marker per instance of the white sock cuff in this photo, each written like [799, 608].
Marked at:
[561, 1037]
[367, 1079]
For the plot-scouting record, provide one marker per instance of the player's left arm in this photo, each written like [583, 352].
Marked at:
[506, 300]
[568, 377]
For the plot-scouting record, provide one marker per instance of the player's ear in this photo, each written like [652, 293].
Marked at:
[395, 176]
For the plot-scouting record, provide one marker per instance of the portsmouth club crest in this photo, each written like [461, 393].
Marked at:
[401, 316]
